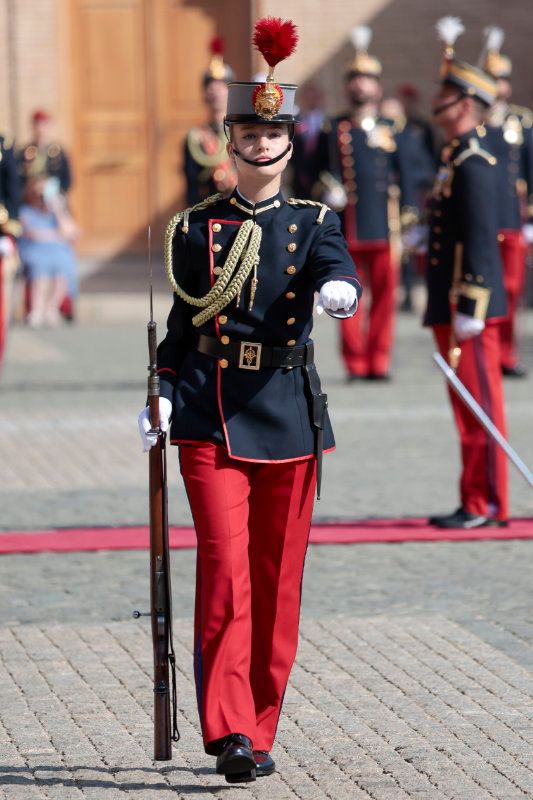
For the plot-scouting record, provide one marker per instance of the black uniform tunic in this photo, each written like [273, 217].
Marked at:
[463, 244]
[259, 415]
[367, 163]
[511, 142]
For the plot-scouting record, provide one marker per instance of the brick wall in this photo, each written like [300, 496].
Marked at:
[29, 58]
[404, 39]
[33, 53]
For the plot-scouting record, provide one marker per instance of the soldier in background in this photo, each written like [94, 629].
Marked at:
[413, 135]
[206, 164]
[365, 173]
[466, 298]
[9, 231]
[510, 138]
[43, 155]
[305, 143]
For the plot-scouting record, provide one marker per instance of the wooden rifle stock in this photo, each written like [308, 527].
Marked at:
[165, 731]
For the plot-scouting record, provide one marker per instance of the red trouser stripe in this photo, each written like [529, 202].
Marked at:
[252, 521]
[367, 338]
[484, 481]
[513, 254]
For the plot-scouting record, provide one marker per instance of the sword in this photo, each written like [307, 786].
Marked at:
[484, 420]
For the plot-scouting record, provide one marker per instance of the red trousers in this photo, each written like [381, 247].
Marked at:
[484, 481]
[366, 339]
[252, 522]
[513, 254]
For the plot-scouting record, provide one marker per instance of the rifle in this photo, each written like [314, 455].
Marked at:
[160, 584]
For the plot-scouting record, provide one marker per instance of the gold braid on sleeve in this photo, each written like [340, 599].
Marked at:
[243, 257]
[322, 206]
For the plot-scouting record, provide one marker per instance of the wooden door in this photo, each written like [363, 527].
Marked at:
[136, 84]
[112, 198]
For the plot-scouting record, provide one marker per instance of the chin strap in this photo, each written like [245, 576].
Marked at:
[444, 106]
[264, 163]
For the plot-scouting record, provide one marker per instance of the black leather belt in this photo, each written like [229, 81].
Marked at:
[255, 355]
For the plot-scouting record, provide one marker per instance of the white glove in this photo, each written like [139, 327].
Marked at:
[165, 411]
[7, 248]
[527, 232]
[338, 298]
[415, 239]
[335, 197]
[466, 327]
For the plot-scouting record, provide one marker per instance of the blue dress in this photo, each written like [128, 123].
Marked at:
[45, 259]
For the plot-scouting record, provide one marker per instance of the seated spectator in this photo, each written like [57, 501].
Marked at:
[45, 248]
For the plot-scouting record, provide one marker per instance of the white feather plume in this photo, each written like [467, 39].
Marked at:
[361, 37]
[449, 29]
[494, 38]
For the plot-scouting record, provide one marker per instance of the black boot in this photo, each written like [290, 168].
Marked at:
[236, 761]
[465, 521]
[264, 763]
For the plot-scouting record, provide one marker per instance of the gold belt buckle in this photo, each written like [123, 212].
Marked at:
[250, 356]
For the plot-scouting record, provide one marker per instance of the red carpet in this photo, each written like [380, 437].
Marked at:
[356, 532]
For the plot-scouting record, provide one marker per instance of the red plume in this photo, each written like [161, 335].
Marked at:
[216, 46]
[275, 39]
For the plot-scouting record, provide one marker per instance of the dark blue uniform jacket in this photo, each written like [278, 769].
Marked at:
[367, 164]
[463, 242]
[259, 415]
[9, 181]
[512, 145]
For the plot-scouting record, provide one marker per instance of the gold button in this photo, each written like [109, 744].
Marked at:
[290, 270]
[436, 245]
[216, 248]
[501, 237]
[224, 339]
[468, 276]
[292, 228]
[217, 227]
[291, 320]
[276, 204]
[437, 229]
[223, 363]
[434, 261]
[222, 319]
[290, 295]
[233, 200]
[292, 247]
[217, 270]
[480, 278]
[291, 342]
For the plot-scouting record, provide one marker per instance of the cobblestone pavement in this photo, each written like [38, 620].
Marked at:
[413, 675]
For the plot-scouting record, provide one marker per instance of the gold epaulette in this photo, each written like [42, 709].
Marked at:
[294, 201]
[474, 149]
[183, 216]
[524, 114]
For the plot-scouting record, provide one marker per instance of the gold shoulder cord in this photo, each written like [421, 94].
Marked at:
[293, 201]
[243, 257]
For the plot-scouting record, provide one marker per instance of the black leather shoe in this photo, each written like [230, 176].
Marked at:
[464, 520]
[378, 376]
[264, 763]
[236, 761]
[514, 372]
[436, 518]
